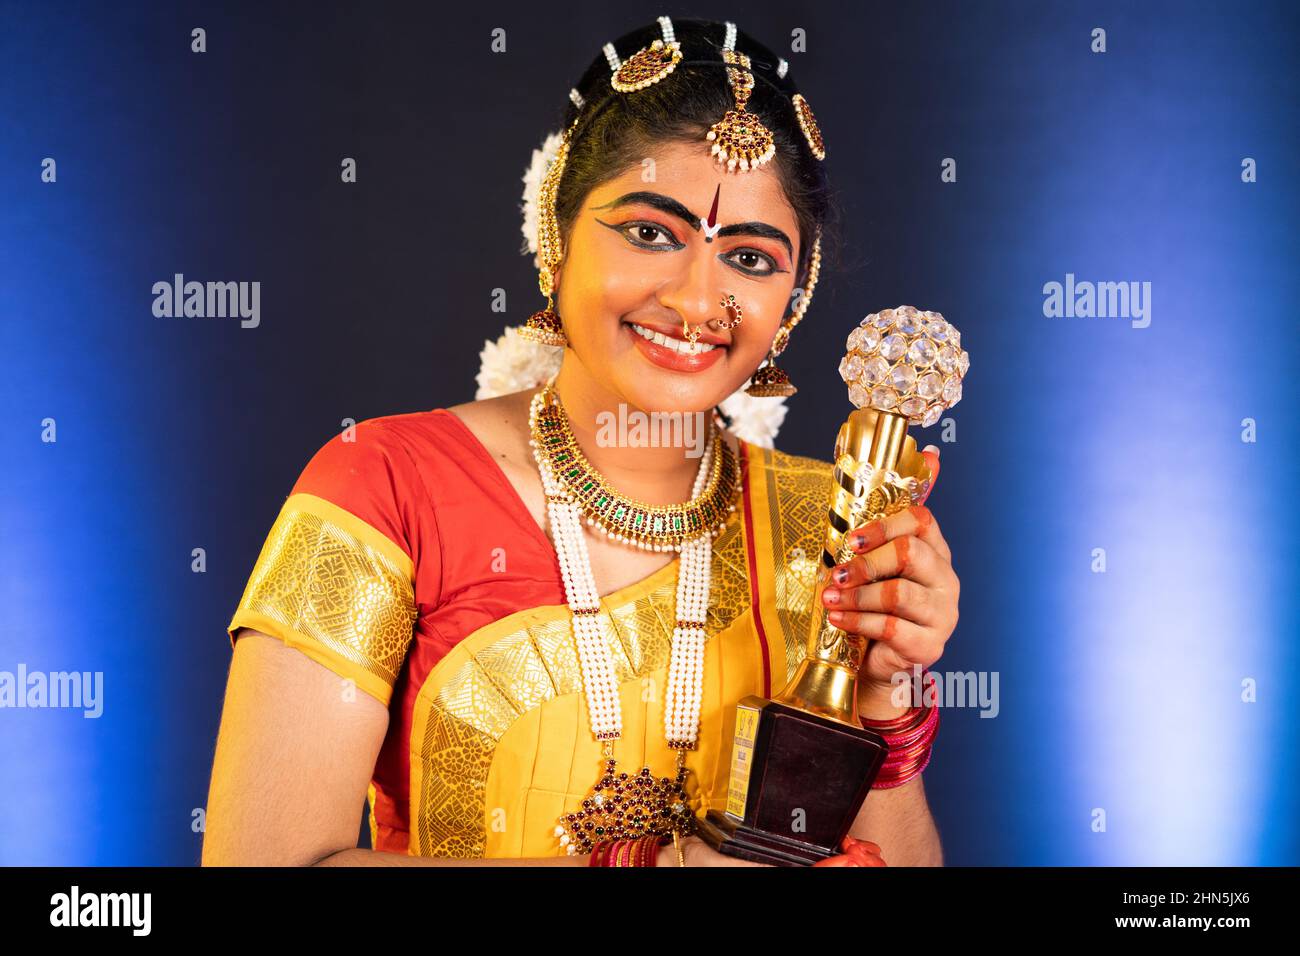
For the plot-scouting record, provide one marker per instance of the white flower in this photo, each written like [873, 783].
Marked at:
[533, 177]
[511, 364]
[756, 420]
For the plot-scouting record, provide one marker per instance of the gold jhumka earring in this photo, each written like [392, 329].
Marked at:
[769, 380]
[544, 326]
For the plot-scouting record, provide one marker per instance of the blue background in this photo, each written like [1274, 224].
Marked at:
[1118, 690]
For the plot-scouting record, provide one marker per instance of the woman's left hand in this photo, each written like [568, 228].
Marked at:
[855, 852]
[899, 589]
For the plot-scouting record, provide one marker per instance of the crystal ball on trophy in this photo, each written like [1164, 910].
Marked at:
[907, 362]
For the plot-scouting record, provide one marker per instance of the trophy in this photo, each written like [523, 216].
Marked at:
[802, 763]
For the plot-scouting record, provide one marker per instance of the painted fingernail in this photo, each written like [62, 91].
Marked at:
[857, 542]
[831, 596]
[933, 448]
[841, 575]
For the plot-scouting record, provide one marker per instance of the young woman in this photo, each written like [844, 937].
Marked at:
[467, 614]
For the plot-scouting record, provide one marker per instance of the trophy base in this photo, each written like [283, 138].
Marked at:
[732, 837]
[789, 766]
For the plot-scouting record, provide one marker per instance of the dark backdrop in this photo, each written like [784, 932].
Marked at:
[1119, 691]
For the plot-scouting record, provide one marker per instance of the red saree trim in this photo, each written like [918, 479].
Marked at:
[752, 559]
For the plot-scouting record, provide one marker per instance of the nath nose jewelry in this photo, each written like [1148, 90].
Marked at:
[734, 315]
[734, 312]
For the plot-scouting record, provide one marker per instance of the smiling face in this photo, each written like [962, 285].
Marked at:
[638, 255]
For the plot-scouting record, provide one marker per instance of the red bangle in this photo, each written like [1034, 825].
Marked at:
[650, 850]
[910, 738]
[642, 851]
[607, 850]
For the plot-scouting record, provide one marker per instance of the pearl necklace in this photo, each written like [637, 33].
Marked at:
[620, 806]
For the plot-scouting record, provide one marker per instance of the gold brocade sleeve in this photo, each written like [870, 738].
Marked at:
[335, 588]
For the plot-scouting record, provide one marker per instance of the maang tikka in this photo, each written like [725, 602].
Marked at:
[740, 139]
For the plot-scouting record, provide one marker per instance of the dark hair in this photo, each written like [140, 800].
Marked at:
[618, 129]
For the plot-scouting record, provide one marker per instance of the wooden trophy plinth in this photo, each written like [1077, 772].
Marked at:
[797, 783]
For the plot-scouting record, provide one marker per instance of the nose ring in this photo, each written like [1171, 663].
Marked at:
[734, 315]
[734, 312]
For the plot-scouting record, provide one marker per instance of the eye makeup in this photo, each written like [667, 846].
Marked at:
[672, 207]
[626, 229]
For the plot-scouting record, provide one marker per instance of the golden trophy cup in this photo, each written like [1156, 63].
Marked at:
[802, 763]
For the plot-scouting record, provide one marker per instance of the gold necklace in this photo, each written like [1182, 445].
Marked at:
[646, 526]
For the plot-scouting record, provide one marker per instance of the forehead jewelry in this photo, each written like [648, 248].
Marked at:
[740, 138]
[649, 64]
[808, 123]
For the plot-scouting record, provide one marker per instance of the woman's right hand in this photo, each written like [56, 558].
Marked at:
[698, 853]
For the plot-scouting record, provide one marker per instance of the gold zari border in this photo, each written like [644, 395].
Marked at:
[337, 589]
